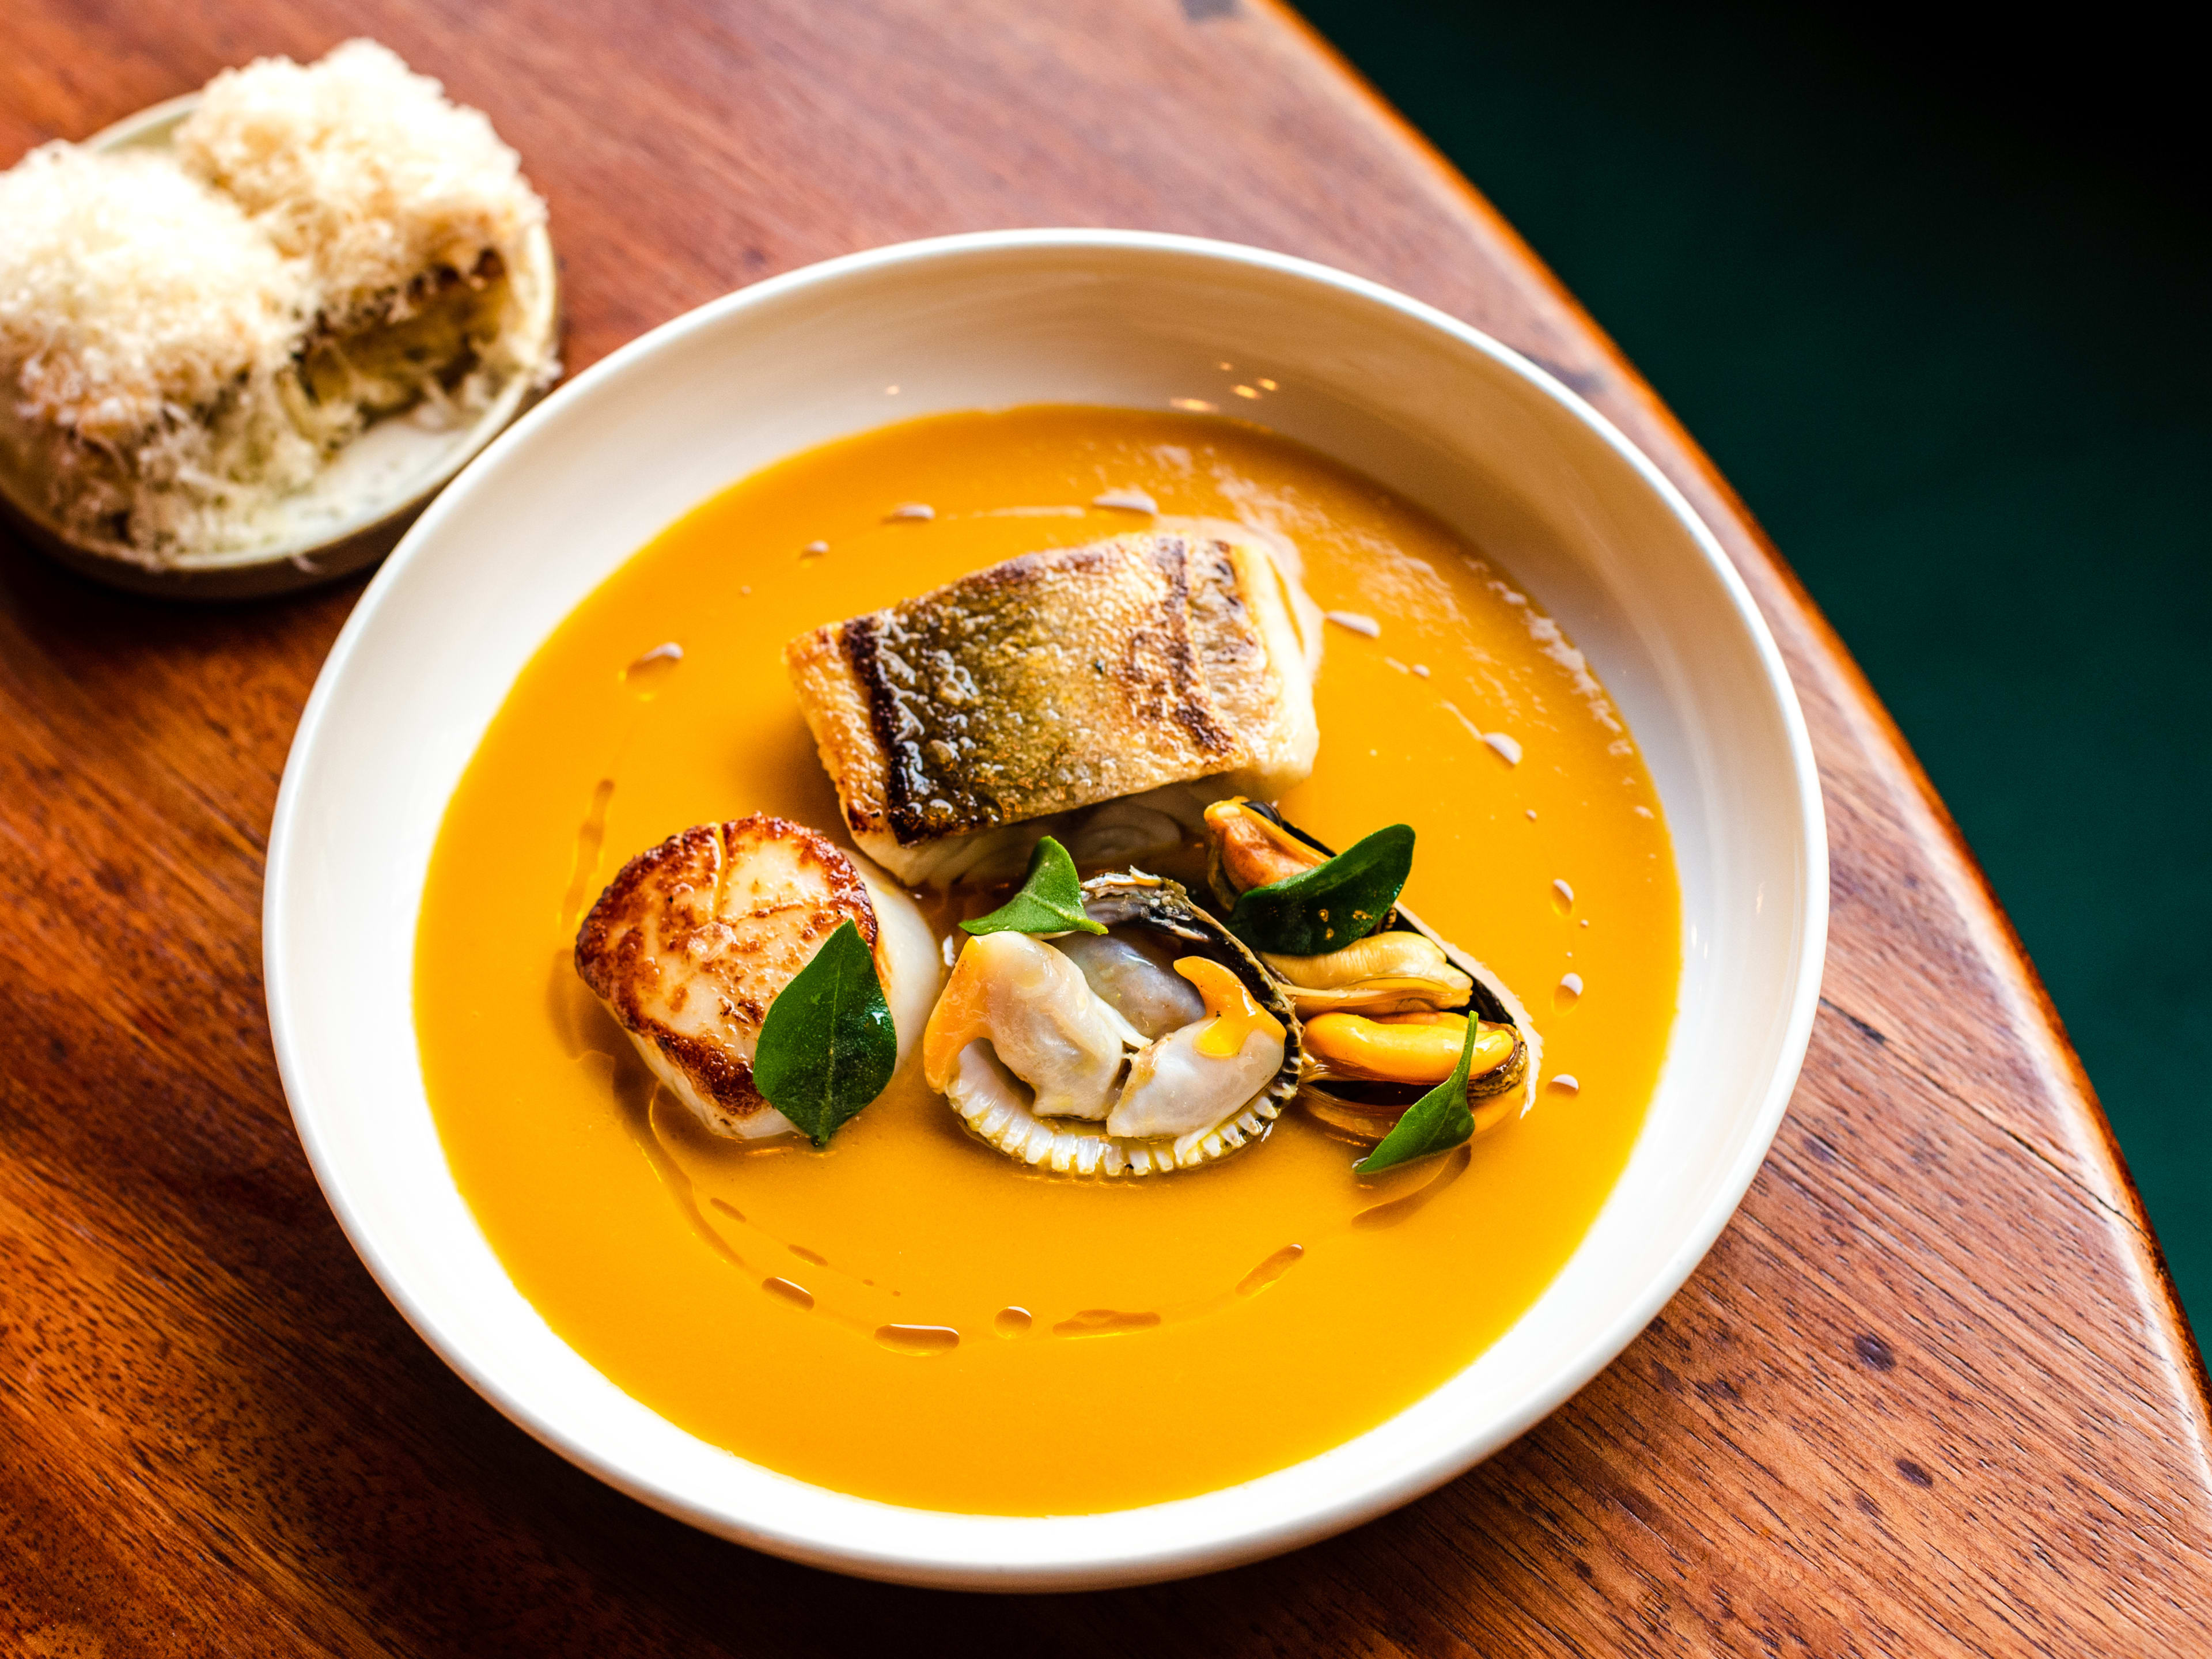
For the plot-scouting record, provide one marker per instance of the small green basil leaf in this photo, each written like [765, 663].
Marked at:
[1331, 905]
[1439, 1121]
[1050, 901]
[827, 1046]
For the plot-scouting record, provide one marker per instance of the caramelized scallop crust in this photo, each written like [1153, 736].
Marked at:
[691, 942]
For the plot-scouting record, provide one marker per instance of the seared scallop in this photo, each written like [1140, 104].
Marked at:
[689, 945]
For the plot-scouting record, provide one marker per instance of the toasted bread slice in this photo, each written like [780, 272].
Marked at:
[960, 725]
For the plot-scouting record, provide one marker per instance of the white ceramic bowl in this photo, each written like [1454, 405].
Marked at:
[1436, 410]
[360, 503]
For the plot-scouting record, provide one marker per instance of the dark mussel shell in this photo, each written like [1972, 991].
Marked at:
[1365, 1107]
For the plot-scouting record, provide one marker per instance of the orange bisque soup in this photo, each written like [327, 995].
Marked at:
[1118, 1342]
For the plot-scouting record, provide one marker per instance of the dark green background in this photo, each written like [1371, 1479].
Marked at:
[1936, 304]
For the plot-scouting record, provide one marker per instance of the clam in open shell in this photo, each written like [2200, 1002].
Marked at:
[1161, 1044]
[1385, 1017]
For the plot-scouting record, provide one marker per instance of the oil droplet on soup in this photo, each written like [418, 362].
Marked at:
[1270, 1270]
[644, 675]
[650, 1246]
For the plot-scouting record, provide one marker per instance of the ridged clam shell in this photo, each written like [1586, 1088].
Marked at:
[993, 1107]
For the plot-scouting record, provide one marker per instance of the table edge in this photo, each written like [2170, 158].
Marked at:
[2010, 961]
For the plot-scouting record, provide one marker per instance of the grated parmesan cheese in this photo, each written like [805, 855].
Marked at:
[142, 323]
[188, 337]
[362, 168]
[124, 289]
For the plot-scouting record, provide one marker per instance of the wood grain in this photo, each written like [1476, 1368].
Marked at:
[1931, 1393]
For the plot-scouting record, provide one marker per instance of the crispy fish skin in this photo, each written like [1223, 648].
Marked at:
[691, 942]
[1053, 682]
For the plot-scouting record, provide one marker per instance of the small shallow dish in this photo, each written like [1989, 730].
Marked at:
[361, 504]
[1435, 411]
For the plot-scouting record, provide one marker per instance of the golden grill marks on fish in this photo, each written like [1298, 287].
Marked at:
[1157, 671]
[1386, 1015]
[1161, 1045]
[692, 940]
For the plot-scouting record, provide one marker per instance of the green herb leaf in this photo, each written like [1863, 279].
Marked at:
[1331, 905]
[827, 1046]
[1439, 1121]
[1050, 901]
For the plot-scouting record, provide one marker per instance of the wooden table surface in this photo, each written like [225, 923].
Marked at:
[1929, 1393]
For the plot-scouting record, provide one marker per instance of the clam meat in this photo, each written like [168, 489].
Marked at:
[1160, 1044]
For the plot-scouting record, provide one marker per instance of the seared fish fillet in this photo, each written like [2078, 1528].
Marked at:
[689, 945]
[961, 725]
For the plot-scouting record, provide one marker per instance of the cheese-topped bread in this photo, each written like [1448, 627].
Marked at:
[144, 323]
[1162, 670]
[365, 170]
[189, 337]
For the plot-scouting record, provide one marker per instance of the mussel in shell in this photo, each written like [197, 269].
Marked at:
[1386, 1015]
[1160, 1044]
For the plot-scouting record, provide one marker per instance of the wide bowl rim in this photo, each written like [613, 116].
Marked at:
[1136, 1560]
